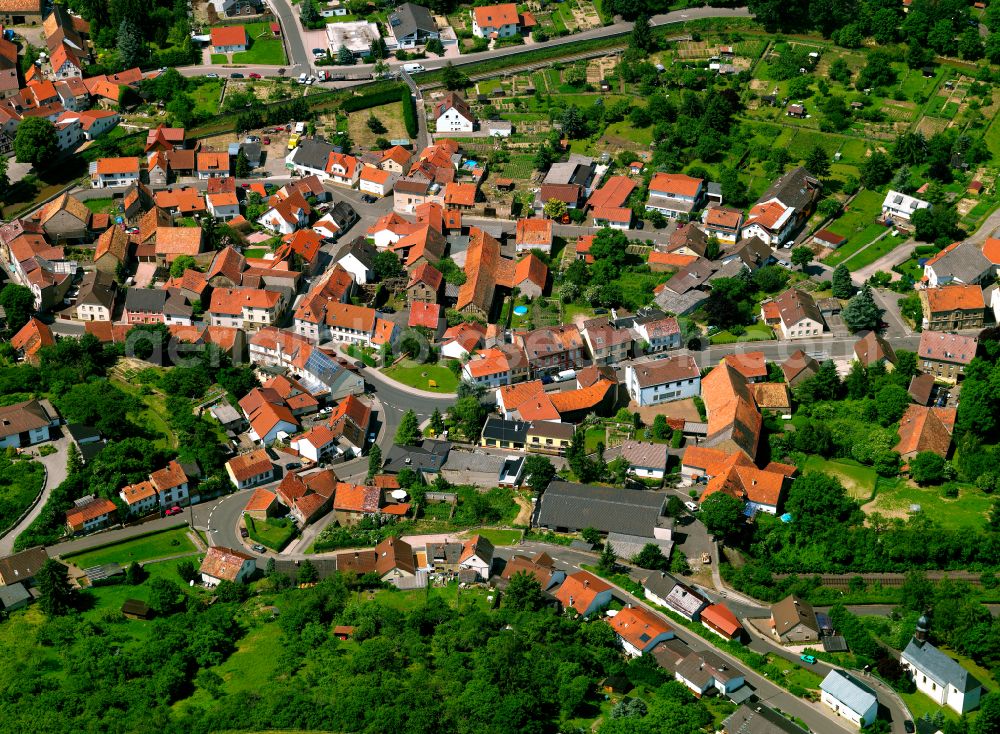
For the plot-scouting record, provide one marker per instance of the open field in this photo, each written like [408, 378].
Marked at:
[390, 115]
[20, 483]
[858, 480]
[172, 542]
[264, 48]
[498, 536]
[153, 416]
[968, 510]
[421, 376]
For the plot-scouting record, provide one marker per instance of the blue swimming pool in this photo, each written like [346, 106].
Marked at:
[520, 310]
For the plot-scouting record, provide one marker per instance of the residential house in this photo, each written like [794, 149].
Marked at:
[343, 169]
[268, 415]
[425, 286]
[394, 559]
[675, 195]
[410, 25]
[211, 164]
[144, 306]
[496, 21]
[229, 39]
[502, 365]
[799, 367]
[569, 194]
[953, 307]
[22, 567]
[925, 429]
[552, 349]
[308, 496]
[657, 332]
[284, 216]
[761, 490]
[27, 423]
[96, 300]
[662, 380]
[849, 697]
[723, 223]
[533, 234]
[720, 619]
[483, 264]
[162, 139]
[938, 676]
[752, 365]
[607, 344]
[793, 621]
[65, 218]
[355, 502]
[396, 159]
[452, 115]
[639, 630]
[261, 505]
[376, 181]
[139, 498]
[706, 671]
[826, 238]
[223, 206]
[570, 507]
[961, 263]
[316, 370]
[759, 719]
[645, 460]
[172, 242]
[245, 308]
[549, 437]
[358, 259]
[783, 208]
[900, 207]
[613, 194]
[798, 315]
[225, 564]
[477, 556]
[30, 339]
[541, 567]
[250, 469]
[945, 355]
[90, 513]
[584, 593]
[171, 485]
[873, 348]
[114, 172]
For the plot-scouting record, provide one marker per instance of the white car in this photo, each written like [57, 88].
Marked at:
[692, 506]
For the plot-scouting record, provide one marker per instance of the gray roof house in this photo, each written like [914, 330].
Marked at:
[145, 300]
[963, 264]
[22, 566]
[849, 697]
[685, 601]
[759, 720]
[427, 458]
[410, 25]
[939, 676]
[311, 156]
[14, 597]
[629, 546]
[344, 215]
[567, 506]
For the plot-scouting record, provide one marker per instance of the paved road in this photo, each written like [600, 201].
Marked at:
[822, 348]
[301, 59]
[55, 473]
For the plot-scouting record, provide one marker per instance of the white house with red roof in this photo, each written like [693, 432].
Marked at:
[496, 21]
[675, 194]
[229, 39]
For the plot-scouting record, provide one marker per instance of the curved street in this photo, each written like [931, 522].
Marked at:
[55, 473]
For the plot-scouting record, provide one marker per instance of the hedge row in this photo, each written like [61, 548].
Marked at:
[410, 113]
[375, 99]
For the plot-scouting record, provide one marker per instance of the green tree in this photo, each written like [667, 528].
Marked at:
[241, 169]
[608, 560]
[862, 312]
[131, 46]
[661, 429]
[55, 592]
[374, 461]
[386, 265]
[538, 471]
[453, 79]
[722, 514]
[876, 170]
[134, 574]
[927, 468]
[345, 57]
[801, 256]
[890, 404]
[435, 46]
[469, 415]
[308, 573]
[642, 35]
[843, 286]
[180, 264]
[555, 209]
[408, 433]
[817, 161]
[18, 303]
[988, 719]
[651, 557]
[544, 157]
[164, 596]
[437, 422]
[523, 594]
[35, 141]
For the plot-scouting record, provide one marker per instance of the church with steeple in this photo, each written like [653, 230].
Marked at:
[938, 676]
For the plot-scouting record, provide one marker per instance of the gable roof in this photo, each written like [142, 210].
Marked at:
[233, 35]
[722, 618]
[799, 363]
[926, 429]
[962, 261]
[579, 590]
[32, 337]
[792, 611]
[851, 692]
[955, 298]
[937, 666]
[567, 504]
[249, 465]
[394, 553]
[677, 184]
[795, 305]
[942, 347]
[873, 348]
[638, 626]
[223, 563]
[494, 16]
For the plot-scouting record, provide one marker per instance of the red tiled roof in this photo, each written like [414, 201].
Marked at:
[233, 35]
[425, 315]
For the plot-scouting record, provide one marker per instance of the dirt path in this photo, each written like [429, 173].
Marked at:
[524, 515]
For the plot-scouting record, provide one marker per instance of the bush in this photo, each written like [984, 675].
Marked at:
[409, 113]
[376, 99]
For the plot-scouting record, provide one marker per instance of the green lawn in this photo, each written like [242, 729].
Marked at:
[858, 480]
[275, 534]
[870, 254]
[205, 94]
[501, 537]
[754, 333]
[570, 310]
[172, 542]
[20, 483]
[968, 510]
[99, 206]
[593, 437]
[110, 598]
[220, 59]
[408, 600]
[256, 252]
[264, 49]
[420, 376]
[152, 417]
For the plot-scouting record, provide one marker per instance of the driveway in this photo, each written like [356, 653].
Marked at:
[55, 474]
[885, 263]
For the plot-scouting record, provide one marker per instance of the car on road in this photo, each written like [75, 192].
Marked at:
[372, 435]
[258, 548]
[412, 68]
[811, 659]
[173, 511]
[293, 465]
[244, 533]
[254, 75]
[319, 52]
[692, 506]
[235, 75]
[253, 139]
[212, 75]
[908, 727]
[368, 199]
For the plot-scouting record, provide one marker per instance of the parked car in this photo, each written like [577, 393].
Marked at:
[173, 511]
[235, 75]
[908, 726]
[244, 533]
[293, 465]
[692, 506]
[258, 548]
[368, 199]
[212, 75]
[319, 52]
[266, 141]
[254, 75]
[811, 659]
[253, 139]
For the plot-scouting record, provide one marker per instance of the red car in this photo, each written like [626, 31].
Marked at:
[255, 76]
[266, 141]
[173, 511]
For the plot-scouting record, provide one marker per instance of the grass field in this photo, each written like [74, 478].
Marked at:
[858, 480]
[870, 254]
[264, 48]
[390, 115]
[172, 542]
[501, 537]
[593, 437]
[220, 59]
[110, 598]
[968, 510]
[275, 535]
[20, 482]
[452, 594]
[420, 376]
[754, 333]
[152, 417]
[99, 206]
[206, 95]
